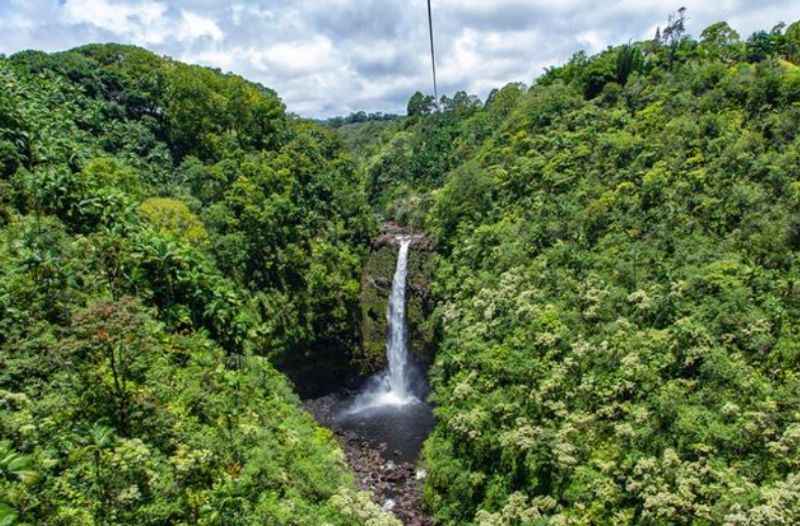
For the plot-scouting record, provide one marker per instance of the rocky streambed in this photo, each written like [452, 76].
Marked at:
[381, 426]
[384, 466]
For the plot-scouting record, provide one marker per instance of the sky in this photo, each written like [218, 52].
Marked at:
[333, 57]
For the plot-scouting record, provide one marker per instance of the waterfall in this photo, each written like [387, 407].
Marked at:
[390, 411]
[392, 387]
[396, 348]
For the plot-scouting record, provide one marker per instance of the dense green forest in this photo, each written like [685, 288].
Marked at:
[617, 286]
[167, 234]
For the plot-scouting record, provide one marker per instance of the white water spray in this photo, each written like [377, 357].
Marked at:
[392, 387]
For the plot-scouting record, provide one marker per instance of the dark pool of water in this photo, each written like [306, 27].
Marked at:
[402, 428]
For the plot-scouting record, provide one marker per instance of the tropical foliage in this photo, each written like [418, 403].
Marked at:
[616, 280]
[165, 231]
[617, 285]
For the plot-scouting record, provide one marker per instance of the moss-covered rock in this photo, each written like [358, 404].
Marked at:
[420, 304]
[376, 287]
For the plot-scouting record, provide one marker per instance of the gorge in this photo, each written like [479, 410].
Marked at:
[214, 312]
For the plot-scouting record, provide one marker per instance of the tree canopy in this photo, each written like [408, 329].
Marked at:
[167, 235]
[616, 285]
[616, 281]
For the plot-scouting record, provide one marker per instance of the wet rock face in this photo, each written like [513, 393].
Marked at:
[376, 286]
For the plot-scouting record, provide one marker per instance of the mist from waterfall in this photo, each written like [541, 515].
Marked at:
[393, 386]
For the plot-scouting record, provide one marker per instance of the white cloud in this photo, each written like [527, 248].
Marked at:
[336, 56]
[144, 22]
[293, 58]
[594, 40]
[193, 26]
[224, 60]
[140, 21]
[242, 13]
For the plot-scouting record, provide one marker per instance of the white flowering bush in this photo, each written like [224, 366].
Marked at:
[620, 309]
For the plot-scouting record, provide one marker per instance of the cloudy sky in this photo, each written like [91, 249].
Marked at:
[331, 57]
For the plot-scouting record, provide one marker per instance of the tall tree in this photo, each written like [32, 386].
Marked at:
[420, 104]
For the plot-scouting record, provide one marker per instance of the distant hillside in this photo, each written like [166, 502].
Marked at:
[360, 117]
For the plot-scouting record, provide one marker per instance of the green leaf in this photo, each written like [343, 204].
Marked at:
[19, 463]
[8, 516]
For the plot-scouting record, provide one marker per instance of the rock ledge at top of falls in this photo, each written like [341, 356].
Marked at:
[391, 233]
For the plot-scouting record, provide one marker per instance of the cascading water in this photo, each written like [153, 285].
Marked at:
[393, 387]
[390, 410]
[396, 347]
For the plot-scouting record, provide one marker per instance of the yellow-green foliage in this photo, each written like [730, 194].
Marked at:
[209, 112]
[793, 42]
[111, 173]
[173, 217]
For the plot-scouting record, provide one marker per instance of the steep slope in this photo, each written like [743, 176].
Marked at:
[164, 230]
[617, 286]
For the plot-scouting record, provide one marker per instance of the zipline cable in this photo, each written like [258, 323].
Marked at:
[433, 56]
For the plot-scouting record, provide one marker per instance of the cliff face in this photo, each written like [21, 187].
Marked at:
[376, 286]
